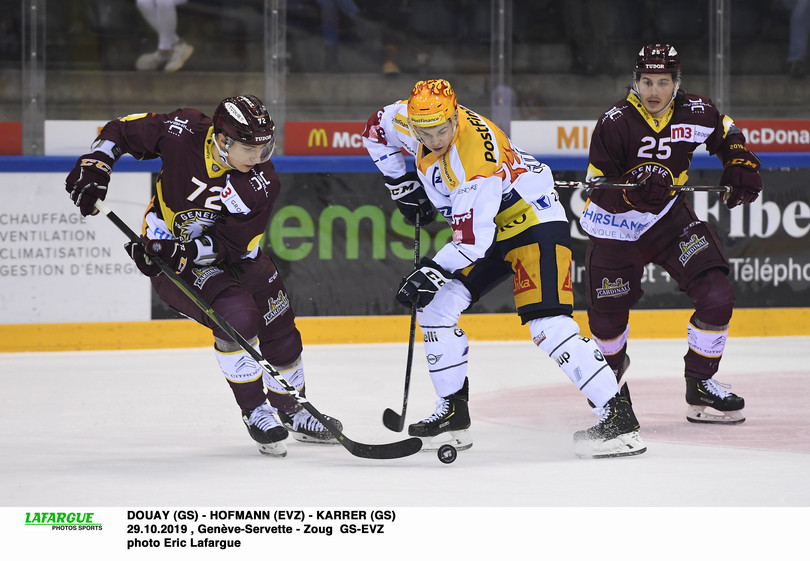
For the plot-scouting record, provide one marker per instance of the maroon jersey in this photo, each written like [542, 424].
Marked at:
[194, 194]
[628, 141]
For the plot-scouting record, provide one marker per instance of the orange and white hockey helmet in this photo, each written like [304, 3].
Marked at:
[432, 102]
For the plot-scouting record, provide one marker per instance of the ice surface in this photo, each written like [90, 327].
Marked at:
[145, 429]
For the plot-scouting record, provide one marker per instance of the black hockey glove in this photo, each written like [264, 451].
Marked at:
[88, 180]
[178, 254]
[411, 198]
[652, 195]
[422, 284]
[138, 255]
[742, 174]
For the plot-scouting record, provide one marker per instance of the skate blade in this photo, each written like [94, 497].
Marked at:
[706, 414]
[274, 449]
[458, 439]
[300, 437]
[629, 444]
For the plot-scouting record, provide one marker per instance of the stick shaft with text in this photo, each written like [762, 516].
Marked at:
[584, 185]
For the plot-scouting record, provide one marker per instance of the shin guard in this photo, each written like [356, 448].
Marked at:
[577, 356]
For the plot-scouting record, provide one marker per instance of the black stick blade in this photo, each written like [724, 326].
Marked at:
[390, 451]
[393, 420]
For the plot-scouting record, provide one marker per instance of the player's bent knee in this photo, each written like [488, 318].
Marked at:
[284, 347]
[607, 326]
[446, 307]
[713, 297]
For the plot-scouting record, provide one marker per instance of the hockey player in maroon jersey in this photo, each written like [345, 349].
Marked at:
[214, 198]
[508, 224]
[649, 138]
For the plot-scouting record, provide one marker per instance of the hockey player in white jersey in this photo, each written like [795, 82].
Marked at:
[507, 223]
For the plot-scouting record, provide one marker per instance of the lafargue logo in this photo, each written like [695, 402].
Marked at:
[64, 520]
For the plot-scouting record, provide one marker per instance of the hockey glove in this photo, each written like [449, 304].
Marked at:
[742, 174]
[422, 284]
[145, 265]
[652, 195]
[178, 254]
[411, 198]
[88, 180]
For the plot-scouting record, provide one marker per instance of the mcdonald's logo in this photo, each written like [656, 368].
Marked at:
[317, 138]
[324, 138]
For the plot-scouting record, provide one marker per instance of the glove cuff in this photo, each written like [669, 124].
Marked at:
[403, 185]
[107, 147]
[426, 262]
[97, 160]
[740, 157]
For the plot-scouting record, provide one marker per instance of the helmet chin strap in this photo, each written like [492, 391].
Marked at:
[223, 154]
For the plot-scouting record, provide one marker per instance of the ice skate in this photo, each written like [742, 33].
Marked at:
[616, 433]
[266, 430]
[306, 428]
[710, 402]
[448, 424]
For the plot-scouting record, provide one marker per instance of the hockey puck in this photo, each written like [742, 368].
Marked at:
[447, 454]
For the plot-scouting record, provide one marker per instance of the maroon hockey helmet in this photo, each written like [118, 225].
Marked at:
[244, 118]
[658, 58]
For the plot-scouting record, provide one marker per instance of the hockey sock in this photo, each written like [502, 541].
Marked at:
[706, 345]
[236, 364]
[277, 396]
[614, 350]
[248, 395]
[242, 372]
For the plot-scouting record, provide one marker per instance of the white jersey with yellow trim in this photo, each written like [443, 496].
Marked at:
[486, 188]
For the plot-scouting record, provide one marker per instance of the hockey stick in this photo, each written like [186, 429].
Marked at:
[391, 419]
[583, 185]
[372, 451]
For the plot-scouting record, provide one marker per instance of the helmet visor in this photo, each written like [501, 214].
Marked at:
[252, 153]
